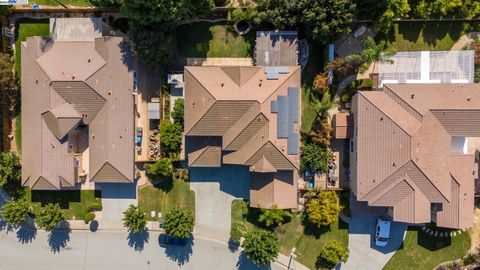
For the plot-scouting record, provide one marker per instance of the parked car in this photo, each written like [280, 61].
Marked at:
[382, 233]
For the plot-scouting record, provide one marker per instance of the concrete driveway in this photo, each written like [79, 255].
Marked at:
[215, 188]
[116, 197]
[363, 252]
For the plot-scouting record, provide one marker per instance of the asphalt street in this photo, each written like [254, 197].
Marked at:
[23, 249]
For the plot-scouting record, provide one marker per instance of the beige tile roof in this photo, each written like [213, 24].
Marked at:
[70, 84]
[234, 103]
[402, 150]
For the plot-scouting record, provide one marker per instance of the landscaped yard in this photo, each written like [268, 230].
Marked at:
[28, 28]
[55, 3]
[74, 202]
[160, 198]
[18, 132]
[213, 40]
[307, 241]
[310, 106]
[416, 36]
[422, 251]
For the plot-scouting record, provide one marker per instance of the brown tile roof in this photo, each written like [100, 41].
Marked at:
[403, 155]
[234, 103]
[71, 85]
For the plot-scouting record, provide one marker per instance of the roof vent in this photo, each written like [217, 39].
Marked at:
[412, 96]
[73, 77]
[469, 98]
[89, 60]
[36, 81]
[381, 118]
[222, 84]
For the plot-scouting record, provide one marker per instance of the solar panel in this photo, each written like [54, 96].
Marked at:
[292, 141]
[271, 73]
[274, 106]
[293, 104]
[282, 117]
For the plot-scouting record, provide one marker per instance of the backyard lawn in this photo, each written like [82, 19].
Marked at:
[310, 106]
[422, 251]
[160, 198]
[74, 202]
[54, 3]
[416, 36]
[213, 40]
[28, 28]
[307, 241]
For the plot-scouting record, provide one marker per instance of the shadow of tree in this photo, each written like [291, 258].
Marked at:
[93, 225]
[138, 240]
[26, 232]
[58, 238]
[246, 264]
[179, 251]
[4, 226]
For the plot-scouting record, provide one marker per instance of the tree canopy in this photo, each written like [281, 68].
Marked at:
[170, 138]
[178, 223]
[49, 216]
[10, 168]
[261, 247]
[274, 216]
[178, 111]
[6, 71]
[332, 254]
[322, 207]
[15, 212]
[134, 219]
[163, 167]
[314, 157]
[321, 20]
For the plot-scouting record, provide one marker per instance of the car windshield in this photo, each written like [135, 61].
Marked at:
[381, 239]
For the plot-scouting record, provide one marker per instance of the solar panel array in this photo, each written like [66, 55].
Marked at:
[287, 108]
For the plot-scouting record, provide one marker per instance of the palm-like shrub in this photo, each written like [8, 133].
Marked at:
[15, 212]
[261, 247]
[178, 223]
[134, 219]
[50, 216]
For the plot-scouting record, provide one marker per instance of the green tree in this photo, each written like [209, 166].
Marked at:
[163, 167]
[395, 9]
[372, 52]
[105, 3]
[15, 212]
[261, 247]
[322, 207]
[332, 254]
[274, 216]
[6, 71]
[49, 216]
[10, 169]
[151, 44]
[134, 219]
[320, 83]
[170, 138]
[314, 157]
[178, 111]
[178, 223]
[321, 20]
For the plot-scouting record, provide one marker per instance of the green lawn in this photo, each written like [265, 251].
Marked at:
[416, 36]
[74, 202]
[310, 106]
[172, 193]
[307, 241]
[213, 40]
[18, 132]
[422, 251]
[28, 28]
[54, 3]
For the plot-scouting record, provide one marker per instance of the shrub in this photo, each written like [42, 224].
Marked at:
[244, 208]
[170, 139]
[163, 167]
[322, 207]
[50, 216]
[320, 83]
[332, 254]
[15, 212]
[178, 223]
[273, 217]
[238, 231]
[134, 219]
[261, 247]
[89, 217]
[94, 206]
[314, 157]
[178, 111]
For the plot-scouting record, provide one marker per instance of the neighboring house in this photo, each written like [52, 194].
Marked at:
[246, 116]
[413, 151]
[427, 67]
[77, 107]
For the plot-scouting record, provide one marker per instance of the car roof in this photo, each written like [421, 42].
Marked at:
[384, 228]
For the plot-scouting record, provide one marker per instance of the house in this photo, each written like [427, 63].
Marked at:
[413, 151]
[247, 116]
[77, 107]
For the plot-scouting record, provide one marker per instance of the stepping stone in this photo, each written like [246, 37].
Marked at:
[452, 233]
[441, 234]
[436, 233]
[431, 233]
[427, 230]
[153, 214]
[424, 228]
[459, 231]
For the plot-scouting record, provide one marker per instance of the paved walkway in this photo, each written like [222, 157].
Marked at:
[363, 252]
[215, 188]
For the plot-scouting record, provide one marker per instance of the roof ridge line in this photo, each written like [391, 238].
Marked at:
[386, 85]
[113, 168]
[280, 86]
[428, 178]
[248, 124]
